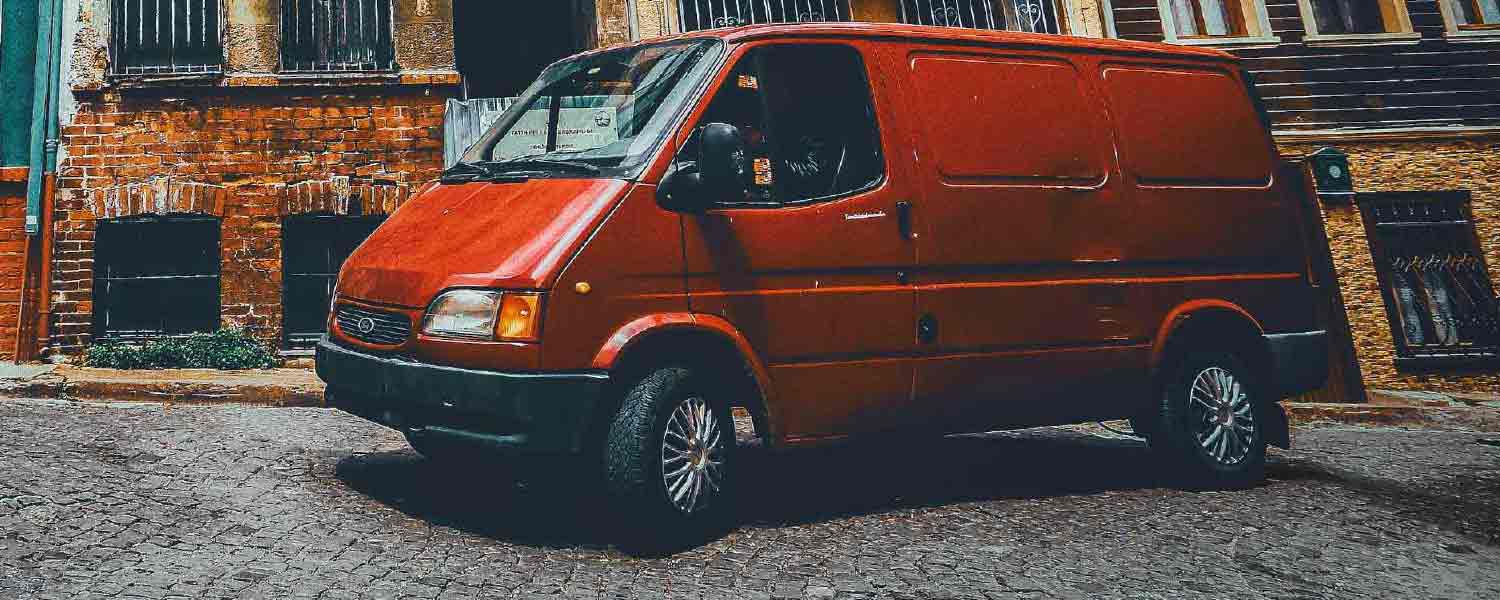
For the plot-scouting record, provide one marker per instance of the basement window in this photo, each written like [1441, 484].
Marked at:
[313, 248]
[329, 36]
[156, 275]
[166, 37]
[1438, 294]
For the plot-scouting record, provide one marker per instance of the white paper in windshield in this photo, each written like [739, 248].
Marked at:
[577, 129]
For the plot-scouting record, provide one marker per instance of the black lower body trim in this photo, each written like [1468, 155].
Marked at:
[524, 413]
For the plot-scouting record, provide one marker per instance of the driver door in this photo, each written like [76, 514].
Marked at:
[811, 262]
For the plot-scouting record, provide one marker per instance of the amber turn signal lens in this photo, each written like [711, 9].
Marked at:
[520, 317]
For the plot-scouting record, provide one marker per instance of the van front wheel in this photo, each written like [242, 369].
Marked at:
[668, 460]
[1209, 424]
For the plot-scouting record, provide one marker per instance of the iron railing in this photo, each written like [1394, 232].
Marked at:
[336, 36]
[693, 15]
[1438, 294]
[1037, 16]
[166, 37]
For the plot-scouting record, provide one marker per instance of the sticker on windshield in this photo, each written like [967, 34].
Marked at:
[578, 129]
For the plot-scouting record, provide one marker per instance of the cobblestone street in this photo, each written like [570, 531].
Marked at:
[106, 501]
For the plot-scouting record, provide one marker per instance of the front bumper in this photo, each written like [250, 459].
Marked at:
[523, 413]
[1299, 361]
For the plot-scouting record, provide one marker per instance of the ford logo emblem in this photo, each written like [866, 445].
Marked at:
[366, 325]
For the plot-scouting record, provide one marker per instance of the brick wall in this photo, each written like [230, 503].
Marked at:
[12, 248]
[1418, 165]
[248, 155]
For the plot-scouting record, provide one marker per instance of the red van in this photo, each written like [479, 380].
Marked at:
[847, 230]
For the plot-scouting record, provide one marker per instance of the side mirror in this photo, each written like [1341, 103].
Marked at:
[722, 160]
[719, 172]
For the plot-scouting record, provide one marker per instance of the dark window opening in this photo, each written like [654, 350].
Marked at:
[500, 47]
[313, 248]
[807, 119]
[166, 36]
[156, 275]
[693, 15]
[1437, 289]
[336, 35]
[1353, 16]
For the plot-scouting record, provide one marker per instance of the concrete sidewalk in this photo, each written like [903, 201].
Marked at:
[301, 387]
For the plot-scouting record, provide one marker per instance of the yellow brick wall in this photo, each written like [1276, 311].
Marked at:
[1414, 165]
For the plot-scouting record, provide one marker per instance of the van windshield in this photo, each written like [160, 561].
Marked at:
[598, 115]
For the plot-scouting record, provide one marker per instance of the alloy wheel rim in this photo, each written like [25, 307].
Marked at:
[1222, 415]
[692, 456]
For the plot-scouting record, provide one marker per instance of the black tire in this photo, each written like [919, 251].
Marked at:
[1211, 444]
[636, 463]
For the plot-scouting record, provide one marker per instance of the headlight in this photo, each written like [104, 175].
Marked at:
[462, 313]
[486, 315]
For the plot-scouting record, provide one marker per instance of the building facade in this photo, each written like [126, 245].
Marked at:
[221, 157]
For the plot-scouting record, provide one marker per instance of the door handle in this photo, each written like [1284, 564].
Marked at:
[903, 219]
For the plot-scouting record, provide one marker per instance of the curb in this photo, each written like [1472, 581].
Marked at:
[295, 388]
[1426, 417]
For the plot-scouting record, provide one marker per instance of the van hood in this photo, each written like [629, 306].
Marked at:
[512, 235]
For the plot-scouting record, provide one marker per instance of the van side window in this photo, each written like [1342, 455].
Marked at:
[1009, 120]
[807, 119]
[1169, 138]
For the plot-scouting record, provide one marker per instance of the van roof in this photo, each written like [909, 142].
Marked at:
[961, 35]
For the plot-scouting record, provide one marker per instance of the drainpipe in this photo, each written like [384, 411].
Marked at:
[41, 177]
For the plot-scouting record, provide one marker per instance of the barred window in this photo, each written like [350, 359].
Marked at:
[1437, 289]
[313, 248]
[166, 36]
[156, 275]
[693, 15]
[1035, 16]
[336, 35]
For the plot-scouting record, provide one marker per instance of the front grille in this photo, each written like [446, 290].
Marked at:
[385, 329]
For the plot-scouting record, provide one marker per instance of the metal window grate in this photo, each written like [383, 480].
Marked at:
[156, 275]
[693, 15]
[336, 36]
[166, 37]
[1037, 16]
[1437, 289]
[313, 249]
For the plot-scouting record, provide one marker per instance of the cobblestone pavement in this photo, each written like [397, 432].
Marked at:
[105, 501]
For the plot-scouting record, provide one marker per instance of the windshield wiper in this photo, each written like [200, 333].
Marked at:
[465, 172]
[532, 164]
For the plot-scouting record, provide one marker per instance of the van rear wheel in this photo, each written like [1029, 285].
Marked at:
[1208, 426]
[668, 461]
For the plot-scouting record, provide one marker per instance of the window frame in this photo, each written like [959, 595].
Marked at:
[732, 63]
[1453, 30]
[1261, 25]
[1405, 359]
[1313, 37]
[100, 298]
[383, 53]
[116, 49]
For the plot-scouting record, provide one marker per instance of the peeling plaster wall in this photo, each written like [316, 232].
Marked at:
[423, 32]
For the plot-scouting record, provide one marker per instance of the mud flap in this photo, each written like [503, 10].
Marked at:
[1275, 426]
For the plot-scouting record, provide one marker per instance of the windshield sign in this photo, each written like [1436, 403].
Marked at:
[599, 115]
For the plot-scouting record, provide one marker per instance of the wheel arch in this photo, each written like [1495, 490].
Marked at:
[704, 340]
[1199, 321]
[1224, 325]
